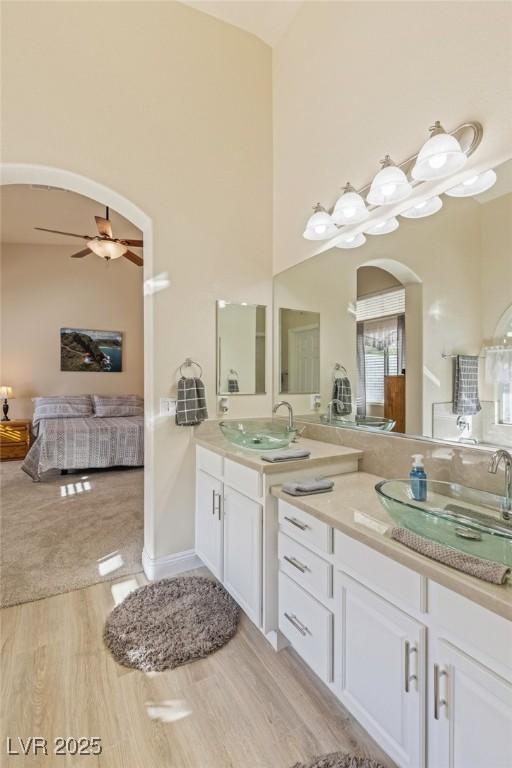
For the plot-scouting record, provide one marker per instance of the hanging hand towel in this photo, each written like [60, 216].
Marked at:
[233, 384]
[342, 391]
[191, 402]
[465, 386]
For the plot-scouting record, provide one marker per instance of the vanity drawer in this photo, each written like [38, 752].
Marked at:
[383, 575]
[308, 626]
[210, 462]
[304, 528]
[305, 567]
[242, 478]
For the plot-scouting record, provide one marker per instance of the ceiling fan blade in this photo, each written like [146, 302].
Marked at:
[68, 234]
[104, 226]
[81, 254]
[133, 243]
[134, 258]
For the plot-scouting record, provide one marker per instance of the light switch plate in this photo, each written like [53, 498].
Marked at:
[167, 406]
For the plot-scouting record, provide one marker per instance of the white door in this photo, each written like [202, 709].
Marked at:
[470, 718]
[209, 522]
[380, 670]
[243, 520]
[304, 359]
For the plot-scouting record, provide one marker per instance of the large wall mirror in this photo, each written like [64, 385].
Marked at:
[414, 327]
[241, 348]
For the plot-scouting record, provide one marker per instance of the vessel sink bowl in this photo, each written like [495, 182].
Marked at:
[368, 423]
[459, 517]
[258, 435]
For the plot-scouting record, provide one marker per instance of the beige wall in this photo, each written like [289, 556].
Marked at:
[44, 290]
[184, 132]
[356, 80]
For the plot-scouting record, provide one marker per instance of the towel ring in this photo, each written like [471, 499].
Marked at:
[189, 364]
[341, 368]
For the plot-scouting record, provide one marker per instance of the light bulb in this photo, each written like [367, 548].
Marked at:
[421, 205]
[388, 189]
[440, 156]
[470, 181]
[107, 249]
[349, 213]
[351, 241]
[383, 227]
[423, 208]
[320, 225]
[320, 229]
[437, 161]
[350, 207]
[474, 185]
[390, 185]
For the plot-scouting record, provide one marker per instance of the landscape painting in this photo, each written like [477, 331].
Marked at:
[86, 350]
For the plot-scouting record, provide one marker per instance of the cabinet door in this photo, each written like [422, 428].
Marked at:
[470, 720]
[243, 520]
[380, 663]
[209, 522]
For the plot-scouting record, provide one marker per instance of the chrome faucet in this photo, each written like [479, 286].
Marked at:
[496, 459]
[291, 425]
[331, 405]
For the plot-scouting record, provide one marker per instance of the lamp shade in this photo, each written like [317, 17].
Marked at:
[5, 391]
[352, 241]
[320, 225]
[383, 227]
[440, 156]
[107, 249]
[474, 185]
[390, 185]
[423, 208]
[350, 208]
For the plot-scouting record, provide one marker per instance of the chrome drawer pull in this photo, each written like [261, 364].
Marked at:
[297, 523]
[297, 624]
[213, 502]
[300, 566]
[438, 703]
[408, 677]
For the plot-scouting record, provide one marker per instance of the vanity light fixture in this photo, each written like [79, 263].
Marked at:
[390, 185]
[351, 241]
[440, 156]
[320, 225]
[350, 208]
[474, 185]
[423, 208]
[383, 227]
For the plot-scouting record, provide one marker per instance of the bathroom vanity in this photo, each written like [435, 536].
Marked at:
[419, 653]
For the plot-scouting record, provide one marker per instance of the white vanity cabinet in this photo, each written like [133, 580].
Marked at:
[243, 527]
[209, 522]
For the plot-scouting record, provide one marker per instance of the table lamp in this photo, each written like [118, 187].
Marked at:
[5, 392]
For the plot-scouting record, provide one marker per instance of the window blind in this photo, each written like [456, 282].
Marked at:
[381, 305]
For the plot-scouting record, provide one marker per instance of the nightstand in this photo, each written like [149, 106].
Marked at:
[14, 439]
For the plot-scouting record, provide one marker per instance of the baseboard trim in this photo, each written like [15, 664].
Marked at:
[169, 565]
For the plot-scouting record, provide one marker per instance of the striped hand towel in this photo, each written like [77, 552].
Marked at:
[342, 391]
[191, 402]
[465, 386]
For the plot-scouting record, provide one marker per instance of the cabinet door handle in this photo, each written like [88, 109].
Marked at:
[297, 523]
[438, 702]
[216, 504]
[297, 624]
[213, 502]
[300, 566]
[408, 677]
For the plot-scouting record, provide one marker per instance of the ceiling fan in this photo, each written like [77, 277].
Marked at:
[104, 244]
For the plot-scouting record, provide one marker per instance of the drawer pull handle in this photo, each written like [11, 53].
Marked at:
[297, 523]
[438, 703]
[213, 502]
[297, 624]
[408, 677]
[300, 566]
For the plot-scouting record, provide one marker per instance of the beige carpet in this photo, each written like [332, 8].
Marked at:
[67, 532]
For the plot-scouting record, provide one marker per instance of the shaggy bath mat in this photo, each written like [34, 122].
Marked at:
[340, 760]
[171, 622]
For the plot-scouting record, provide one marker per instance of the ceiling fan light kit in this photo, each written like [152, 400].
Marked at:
[442, 155]
[104, 244]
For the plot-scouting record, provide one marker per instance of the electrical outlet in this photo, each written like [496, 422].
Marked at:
[315, 402]
[167, 406]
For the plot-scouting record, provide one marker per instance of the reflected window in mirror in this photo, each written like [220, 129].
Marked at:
[299, 342]
[241, 348]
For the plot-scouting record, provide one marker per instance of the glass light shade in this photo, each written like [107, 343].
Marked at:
[352, 241]
[474, 185]
[423, 208]
[390, 185]
[320, 225]
[440, 156]
[383, 227]
[107, 249]
[5, 391]
[350, 208]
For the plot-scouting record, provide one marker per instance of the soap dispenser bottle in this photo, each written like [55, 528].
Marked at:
[418, 478]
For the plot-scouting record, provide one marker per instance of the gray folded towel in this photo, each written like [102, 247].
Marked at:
[465, 386]
[191, 402]
[289, 454]
[487, 570]
[307, 487]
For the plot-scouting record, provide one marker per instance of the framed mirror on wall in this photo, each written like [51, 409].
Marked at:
[414, 327]
[241, 348]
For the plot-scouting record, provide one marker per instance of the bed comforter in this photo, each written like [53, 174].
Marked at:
[85, 443]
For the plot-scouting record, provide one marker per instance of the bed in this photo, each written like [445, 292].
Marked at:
[84, 442]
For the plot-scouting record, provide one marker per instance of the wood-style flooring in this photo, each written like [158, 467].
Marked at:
[243, 707]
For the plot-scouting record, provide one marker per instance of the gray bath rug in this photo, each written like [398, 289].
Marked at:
[171, 622]
[340, 760]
